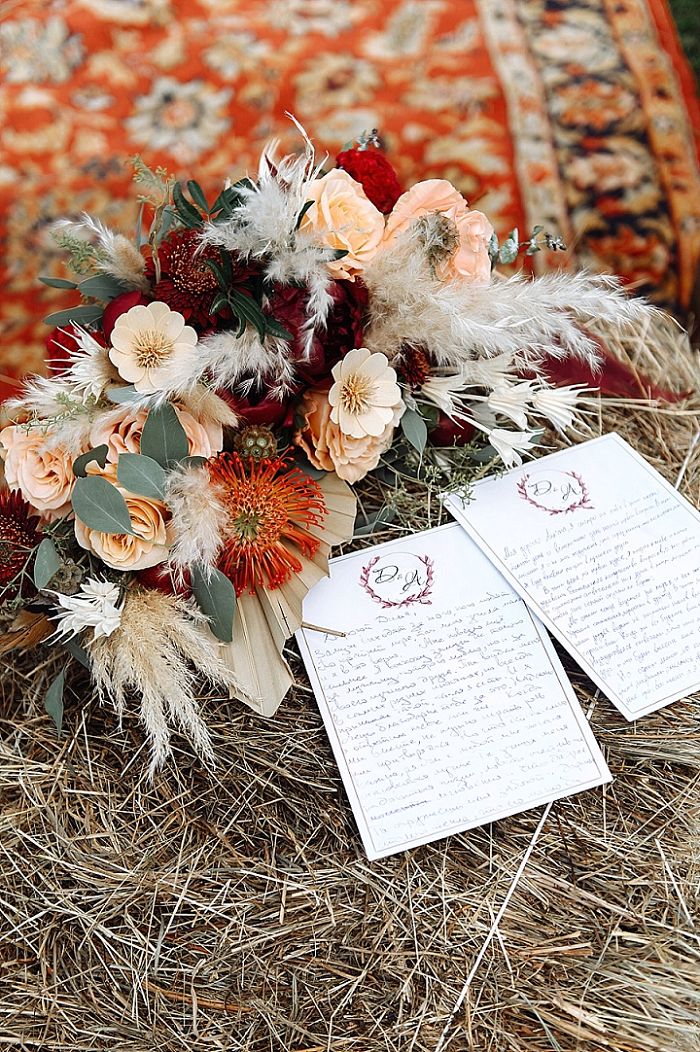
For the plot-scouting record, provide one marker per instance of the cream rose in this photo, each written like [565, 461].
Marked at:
[121, 429]
[122, 551]
[470, 261]
[43, 475]
[329, 449]
[346, 219]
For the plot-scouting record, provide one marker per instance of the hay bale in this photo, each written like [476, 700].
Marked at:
[235, 910]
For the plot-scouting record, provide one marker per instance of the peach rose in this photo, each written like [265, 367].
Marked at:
[43, 474]
[470, 262]
[346, 219]
[123, 552]
[329, 449]
[121, 429]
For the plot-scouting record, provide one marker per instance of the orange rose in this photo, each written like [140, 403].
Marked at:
[329, 449]
[470, 261]
[346, 219]
[42, 473]
[121, 429]
[122, 551]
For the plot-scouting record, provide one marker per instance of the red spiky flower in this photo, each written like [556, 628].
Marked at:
[274, 510]
[19, 535]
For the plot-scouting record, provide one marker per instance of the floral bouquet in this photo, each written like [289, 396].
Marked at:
[175, 484]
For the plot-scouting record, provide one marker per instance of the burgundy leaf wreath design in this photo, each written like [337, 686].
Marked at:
[420, 597]
[582, 502]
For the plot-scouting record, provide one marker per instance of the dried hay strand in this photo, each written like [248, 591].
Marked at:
[234, 910]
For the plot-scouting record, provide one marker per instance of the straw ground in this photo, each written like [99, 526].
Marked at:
[235, 910]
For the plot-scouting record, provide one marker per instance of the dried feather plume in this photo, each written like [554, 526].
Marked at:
[115, 254]
[198, 519]
[459, 322]
[161, 651]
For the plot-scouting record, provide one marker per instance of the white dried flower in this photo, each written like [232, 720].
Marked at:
[510, 444]
[95, 606]
[512, 401]
[558, 405]
[90, 369]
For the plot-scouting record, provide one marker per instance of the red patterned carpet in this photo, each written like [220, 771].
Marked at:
[577, 114]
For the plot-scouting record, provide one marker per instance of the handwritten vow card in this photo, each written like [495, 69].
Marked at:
[445, 703]
[607, 554]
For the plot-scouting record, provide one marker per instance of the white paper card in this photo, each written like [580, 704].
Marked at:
[607, 554]
[445, 702]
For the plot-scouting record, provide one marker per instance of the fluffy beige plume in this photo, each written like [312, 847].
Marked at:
[226, 359]
[458, 322]
[158, 652]
[198, 518]
[118, 256]
[264, 226]
[54, 405]
[208, 407]
[126, 263]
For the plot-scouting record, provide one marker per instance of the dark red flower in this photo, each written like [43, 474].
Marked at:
[120, 305]
[60, 343]
[450, 433]
[412, 366]
[343, 331]
[19, 535]
[161, 579]
[260, 409]
[185, 282]
[371, 168]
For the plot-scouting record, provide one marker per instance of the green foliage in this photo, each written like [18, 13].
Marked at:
[100, 505]
[53, 700]
[141, 475]
[81, 314]
[98, 454]
[46, 563]
[415, 429]
[163, 437]
[216, 598]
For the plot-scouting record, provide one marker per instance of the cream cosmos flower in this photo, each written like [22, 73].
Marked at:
[365, 395]
[149, 343]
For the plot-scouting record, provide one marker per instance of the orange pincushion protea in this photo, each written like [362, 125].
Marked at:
[270, 505]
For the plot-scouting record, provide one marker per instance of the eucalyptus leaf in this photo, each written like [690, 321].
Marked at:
[383, 517]
[57, 283]
[194, 462]
[102, 287]
[53, 700]
[163, 437]
[76, 651]
[508, 252]
[98, 454]
[141, 475]
[100, 505]
[121, 395]
[415, 429]
[82, 313]
[307, 467]
[216, 598]
[46, 563]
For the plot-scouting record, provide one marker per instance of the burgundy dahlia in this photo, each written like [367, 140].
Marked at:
[186, 283]
[19, 535]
